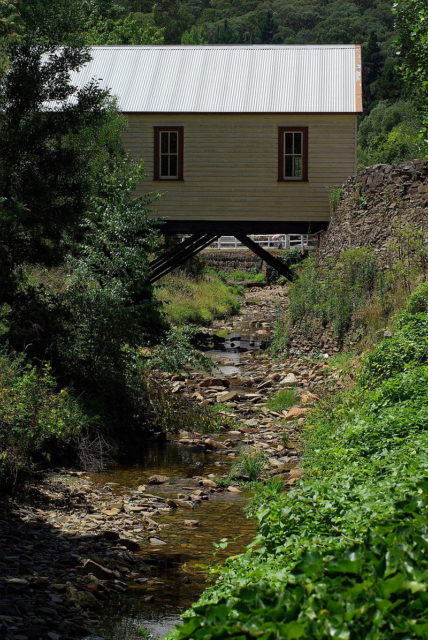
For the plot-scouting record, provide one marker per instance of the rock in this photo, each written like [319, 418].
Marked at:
[191, 523]
[234, 489]
[17, 582]
[176, 502]
[156, 541]
[132, 545]
[206, 482]
[158, 479]
[296, 412]
[290, 380]
[227, 396]
[214, 444]
[89, 566]
[214, 382]
[111, 512]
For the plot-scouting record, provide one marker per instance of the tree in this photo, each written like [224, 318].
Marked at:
[10, 27]
[389, 134]
[171, 16]
[50, 154]
[108, 308]
[411, 21]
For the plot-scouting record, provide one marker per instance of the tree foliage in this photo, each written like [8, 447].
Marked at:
[411, 18]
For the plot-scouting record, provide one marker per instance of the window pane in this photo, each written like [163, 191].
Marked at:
[164, 141]
[164, 166]
[288, 166]
[297, 143]
[298, 166]
[173, 141]
[173, 166]
[288, 147]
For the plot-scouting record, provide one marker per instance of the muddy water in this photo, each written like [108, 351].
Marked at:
[177, 570]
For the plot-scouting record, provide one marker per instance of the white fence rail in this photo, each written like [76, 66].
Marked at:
[277, 241]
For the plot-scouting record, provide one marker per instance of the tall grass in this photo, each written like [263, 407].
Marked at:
[197, 300]
[282, 400]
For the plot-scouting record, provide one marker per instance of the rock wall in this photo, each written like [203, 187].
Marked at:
[377, 199]
[242, 259]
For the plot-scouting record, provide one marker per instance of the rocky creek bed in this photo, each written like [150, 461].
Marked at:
[98, 555]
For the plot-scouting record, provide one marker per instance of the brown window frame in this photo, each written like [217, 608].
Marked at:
[305, 140]
[157, 155]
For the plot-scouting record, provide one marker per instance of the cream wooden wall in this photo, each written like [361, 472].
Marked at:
[231, 165]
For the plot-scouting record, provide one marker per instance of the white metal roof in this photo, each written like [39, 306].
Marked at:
[229, 79]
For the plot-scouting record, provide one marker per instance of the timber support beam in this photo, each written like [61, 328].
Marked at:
[175, 257]
[271, 260]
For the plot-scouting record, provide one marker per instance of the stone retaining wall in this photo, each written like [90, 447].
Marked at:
[241, 259]
[373, 203]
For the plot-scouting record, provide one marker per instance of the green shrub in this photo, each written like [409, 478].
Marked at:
[418, 301]
[342, 555]
[282, 400]
[353, 291]
[36, 420]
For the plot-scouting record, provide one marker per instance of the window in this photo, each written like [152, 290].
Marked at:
[293, 154]
[168, 160]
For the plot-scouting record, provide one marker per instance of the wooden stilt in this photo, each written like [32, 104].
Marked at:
[271, 260]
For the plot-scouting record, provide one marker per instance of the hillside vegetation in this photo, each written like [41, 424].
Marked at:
[343, 554]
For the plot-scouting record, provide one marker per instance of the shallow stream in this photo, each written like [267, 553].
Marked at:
[177, 571]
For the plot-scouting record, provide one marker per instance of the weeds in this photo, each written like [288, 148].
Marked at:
[334, 197]
[285, 438]
[282, 400]
[197, 301]
[250, 466]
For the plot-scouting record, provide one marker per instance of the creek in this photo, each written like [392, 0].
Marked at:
[178, 568]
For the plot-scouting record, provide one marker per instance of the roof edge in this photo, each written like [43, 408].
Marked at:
[358, 80]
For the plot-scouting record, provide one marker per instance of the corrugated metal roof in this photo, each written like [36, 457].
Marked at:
[230, 79]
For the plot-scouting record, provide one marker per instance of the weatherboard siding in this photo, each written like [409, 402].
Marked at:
[231, 165]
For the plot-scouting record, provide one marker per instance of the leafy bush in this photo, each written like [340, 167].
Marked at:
[342, 555]
[36, 419]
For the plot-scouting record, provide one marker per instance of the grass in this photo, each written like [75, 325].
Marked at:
[285, 438]
[240, 276]
[283, 400]
[222, 416]
[250, 465]
[197, 301]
